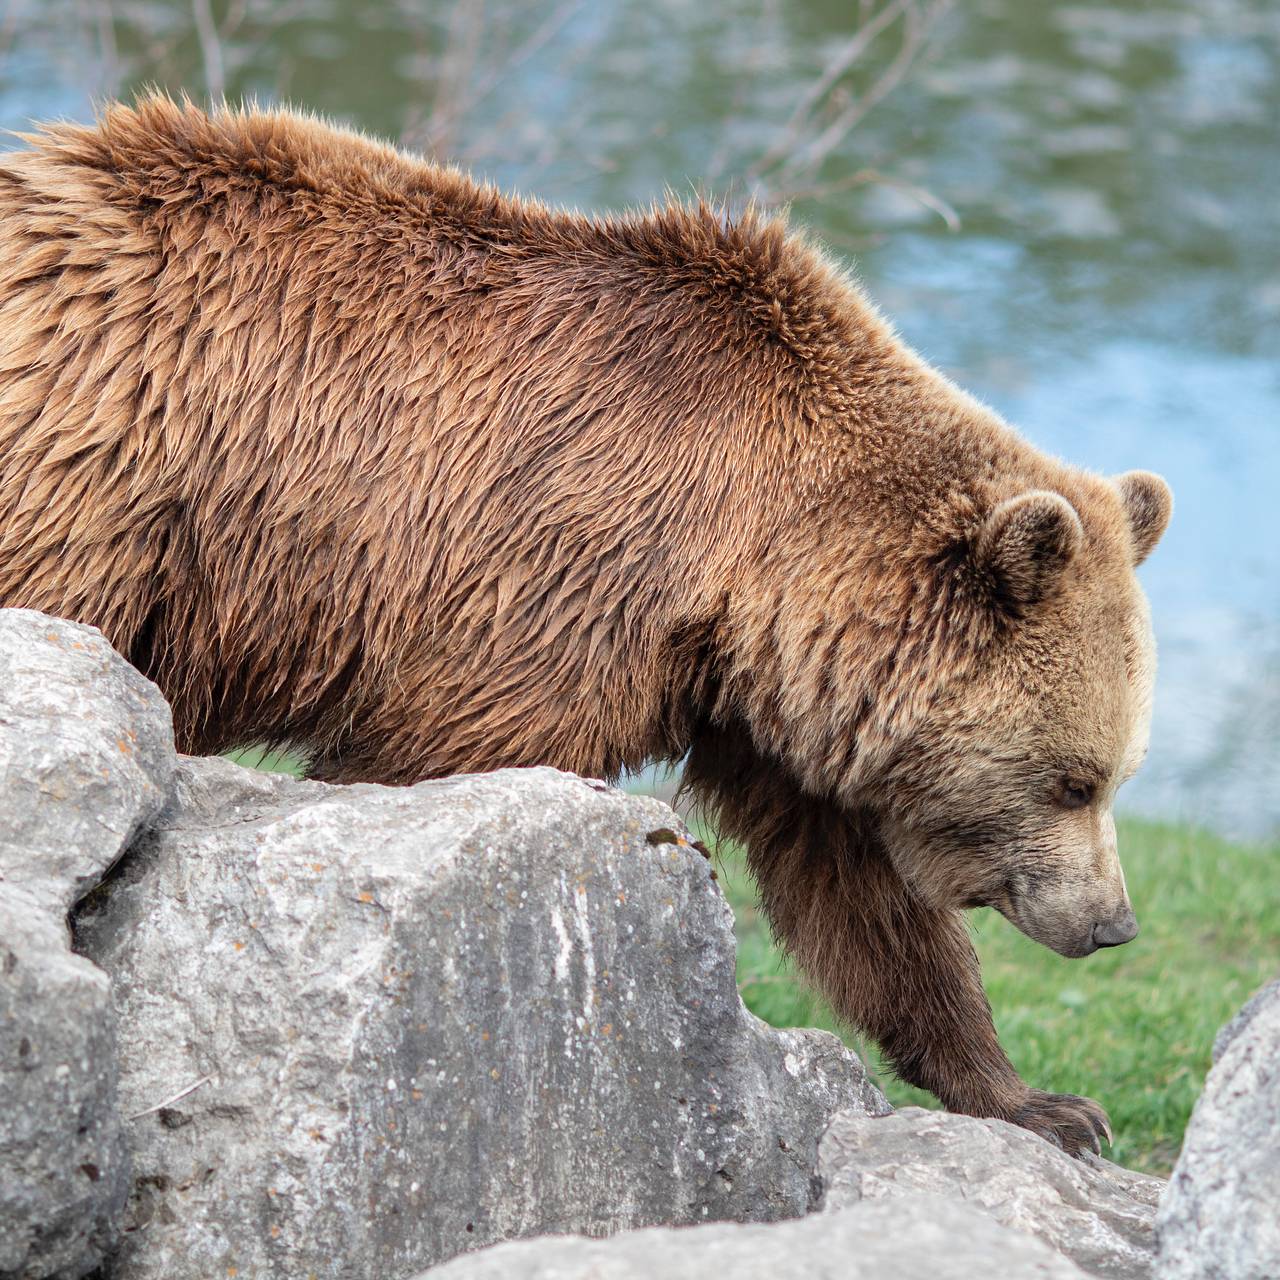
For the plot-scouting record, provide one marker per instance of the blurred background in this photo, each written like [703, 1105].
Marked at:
[1069, 207]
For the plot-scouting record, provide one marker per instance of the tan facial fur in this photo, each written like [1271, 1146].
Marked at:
[1004, 796]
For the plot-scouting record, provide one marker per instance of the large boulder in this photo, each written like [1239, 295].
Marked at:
[913, 1237]
[64, 1167]
[364, 1029]
[86, 758]
[1220, 1218]
[1097, 1214]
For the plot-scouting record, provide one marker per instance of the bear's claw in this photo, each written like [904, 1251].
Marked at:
[1074, 1124]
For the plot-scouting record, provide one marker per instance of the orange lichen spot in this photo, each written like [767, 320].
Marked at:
[238, 946]
[366, 896]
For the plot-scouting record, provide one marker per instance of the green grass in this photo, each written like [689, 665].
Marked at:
[268, 761]
[1131, 1027]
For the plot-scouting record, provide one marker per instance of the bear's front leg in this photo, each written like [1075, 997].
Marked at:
[907, 975]
[898, 970]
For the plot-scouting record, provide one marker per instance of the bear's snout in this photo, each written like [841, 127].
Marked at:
[1117, 931]
[1072, 924]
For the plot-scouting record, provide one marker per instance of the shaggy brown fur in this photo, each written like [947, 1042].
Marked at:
[347, 451]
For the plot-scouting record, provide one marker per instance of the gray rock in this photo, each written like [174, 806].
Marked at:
[1264, 996]
[1220, 1217]
[408, 1022]
[64, 1169]
[86, 758]
[1098, 1215]
[913, 1237]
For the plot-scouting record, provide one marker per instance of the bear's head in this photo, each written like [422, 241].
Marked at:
[1000, 791]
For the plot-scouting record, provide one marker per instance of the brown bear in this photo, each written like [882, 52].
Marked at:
[348, 451]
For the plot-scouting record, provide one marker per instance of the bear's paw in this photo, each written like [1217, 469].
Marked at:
[1074, 1124]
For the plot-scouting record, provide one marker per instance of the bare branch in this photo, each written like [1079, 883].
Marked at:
[718, 162]
[471, 69]
[474, 50]
[839, 65]
[915, 27]
[107, 51]
[210, 49]
[924, 196]
[789, 169]
[455, 69]
[554, 21]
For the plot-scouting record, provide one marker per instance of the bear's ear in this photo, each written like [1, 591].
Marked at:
[1025, 545]
[1148, 504]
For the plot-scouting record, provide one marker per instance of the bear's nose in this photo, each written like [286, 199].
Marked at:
[1115, 933]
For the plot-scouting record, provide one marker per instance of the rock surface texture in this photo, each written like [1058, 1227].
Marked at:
[86, 756]
[1220, 1218]
[913, 1237]
[338, 1032]
[86, 759]
[1097, 1214]
[365, 1029]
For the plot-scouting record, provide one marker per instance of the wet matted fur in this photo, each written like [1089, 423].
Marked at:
[348, 451]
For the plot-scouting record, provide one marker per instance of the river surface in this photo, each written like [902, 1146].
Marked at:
[1073, 209]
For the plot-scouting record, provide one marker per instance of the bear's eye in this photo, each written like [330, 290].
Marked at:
[1073, 794]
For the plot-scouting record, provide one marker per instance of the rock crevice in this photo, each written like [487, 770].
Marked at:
[86, 761]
